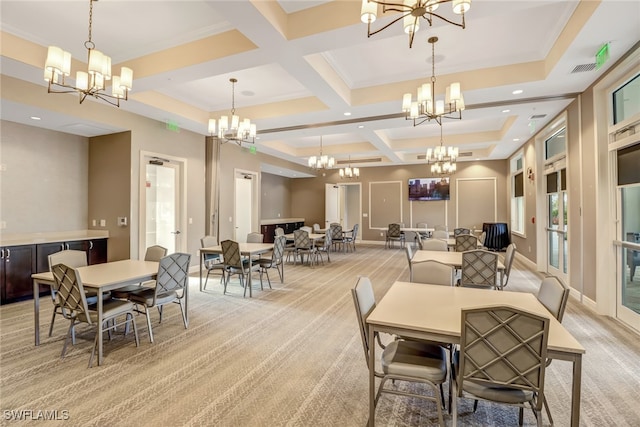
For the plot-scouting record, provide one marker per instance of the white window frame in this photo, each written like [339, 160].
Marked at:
[518, 205]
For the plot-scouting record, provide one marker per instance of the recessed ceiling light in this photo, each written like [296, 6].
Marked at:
[516, 139]
[505, 111]
[347, 113]
[360, 126]
[517, 91]
[35, 118]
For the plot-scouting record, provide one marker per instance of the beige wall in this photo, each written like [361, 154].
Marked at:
[110, 189]
[275, 196]
[44, 186]
[308, 194]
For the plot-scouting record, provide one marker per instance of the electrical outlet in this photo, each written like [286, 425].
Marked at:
[93, 223]
[103, 223]
[381, 234]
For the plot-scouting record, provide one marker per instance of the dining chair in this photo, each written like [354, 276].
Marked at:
[337, 237]
[73, 303]
[508, 262]
[409, 252]
[235, 264]
[171, 283]
[349, 240]
[394, 234]
[440, 227]
[432, 272]
[74, 259]
[434, 244]
[424, 234]
[153, 253]
[479, 269]
[304, 245]
[212, 262]
[275, 261]
[255, 237]
[324, 246]
[633, 257]
[440, 234]
[401, 360]
[466, 242]
[419, 241]
[461, 230]
[554, 295]
[307, 229]
[502, 358]
[316, 228]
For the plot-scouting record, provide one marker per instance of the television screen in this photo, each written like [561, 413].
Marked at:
[428, 189]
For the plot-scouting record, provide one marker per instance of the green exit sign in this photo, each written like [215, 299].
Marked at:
[173, 126]
[253, 149]
[602, 55]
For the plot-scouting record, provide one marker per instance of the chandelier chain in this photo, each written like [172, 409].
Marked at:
[89, 43]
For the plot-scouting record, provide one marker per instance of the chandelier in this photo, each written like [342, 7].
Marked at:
[321, 161]
[426, 107]
[442, 159]
[92, 82]
[410, 12]
[240, 130]
[349, 172]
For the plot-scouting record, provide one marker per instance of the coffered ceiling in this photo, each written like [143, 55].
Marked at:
[302, 66]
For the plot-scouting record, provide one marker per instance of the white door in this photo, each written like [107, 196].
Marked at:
[557, 224]
[246, 204]
[162, 205]
[628, 295]
[332, 204]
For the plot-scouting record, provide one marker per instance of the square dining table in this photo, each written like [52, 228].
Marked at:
[246, 249]
[433, 312]
[102, 278]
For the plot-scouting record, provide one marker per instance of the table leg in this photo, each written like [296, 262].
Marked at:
[575, 391]
[201, 256]
[100, 316]
[36, 311]
[372, 376]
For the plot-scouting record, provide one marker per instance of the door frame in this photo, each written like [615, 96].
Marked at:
[255, 200]
[145, 157]
[343, 203]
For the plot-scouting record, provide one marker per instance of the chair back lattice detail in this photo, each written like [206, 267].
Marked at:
[70, 293]
[466, 242]
[173, 273]
[503, 346]
[231, 254]
[461, 230]
[301, 239]
[279, 231]
[336, 231]
[479, 268]
[393, 230]
[278, 249]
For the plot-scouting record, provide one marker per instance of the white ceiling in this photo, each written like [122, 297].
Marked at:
[309, 62]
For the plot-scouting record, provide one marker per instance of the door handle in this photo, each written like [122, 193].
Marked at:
[175, 232]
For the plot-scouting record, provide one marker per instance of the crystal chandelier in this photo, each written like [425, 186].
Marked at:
[240, 130]
[92, 82]
[426, 107]
[349, 172]
[322, 161]
[410, 12]
[442, 159]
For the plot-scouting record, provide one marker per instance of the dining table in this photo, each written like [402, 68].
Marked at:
[101, 278]
[433, 312]
[246, 249]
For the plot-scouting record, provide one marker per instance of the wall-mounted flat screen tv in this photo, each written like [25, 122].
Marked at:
[428, 189]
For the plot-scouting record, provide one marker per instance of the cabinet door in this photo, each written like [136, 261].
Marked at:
[97, 251]
[18, 264]
[43, 251]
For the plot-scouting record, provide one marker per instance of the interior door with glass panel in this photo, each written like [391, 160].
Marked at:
[162, 205]
[557, 225]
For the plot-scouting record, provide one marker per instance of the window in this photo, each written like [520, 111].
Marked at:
[517, 194]
[555, 145]
[626, 100]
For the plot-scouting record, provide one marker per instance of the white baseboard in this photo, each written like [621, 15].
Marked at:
[532, 265]
[586, 301]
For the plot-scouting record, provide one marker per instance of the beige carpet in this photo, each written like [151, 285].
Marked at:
[290, 356]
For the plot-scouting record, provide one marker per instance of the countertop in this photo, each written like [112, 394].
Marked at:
[51, 237]
[280, 221]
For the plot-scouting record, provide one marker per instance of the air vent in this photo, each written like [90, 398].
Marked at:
[584, 67]
[356, 161]
[537, 116]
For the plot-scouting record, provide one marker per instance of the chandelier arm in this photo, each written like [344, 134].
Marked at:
[461, 25]
[369, 33]
[386, 6]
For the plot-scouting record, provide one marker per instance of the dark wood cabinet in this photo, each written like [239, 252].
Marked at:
[269, 230]
[17, 265]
